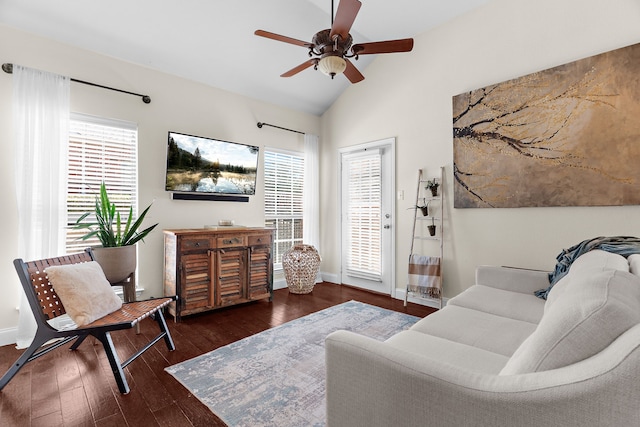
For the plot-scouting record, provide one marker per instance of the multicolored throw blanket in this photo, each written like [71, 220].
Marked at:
[424, 275]
[622, 245]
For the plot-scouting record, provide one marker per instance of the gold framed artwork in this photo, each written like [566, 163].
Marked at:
[565, 136]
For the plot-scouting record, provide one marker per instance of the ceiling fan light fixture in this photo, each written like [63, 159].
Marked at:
[332, 65]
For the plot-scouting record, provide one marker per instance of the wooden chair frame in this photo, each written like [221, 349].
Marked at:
[46, 305]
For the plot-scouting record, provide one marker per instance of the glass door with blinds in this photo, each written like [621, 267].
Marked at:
[367, 207]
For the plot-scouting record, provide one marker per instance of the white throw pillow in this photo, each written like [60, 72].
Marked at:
[84, 291]
[584, 319]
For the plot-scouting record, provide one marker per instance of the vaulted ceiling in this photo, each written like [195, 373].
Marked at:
[212, 41]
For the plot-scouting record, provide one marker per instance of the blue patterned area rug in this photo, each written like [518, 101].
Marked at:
[277, 377]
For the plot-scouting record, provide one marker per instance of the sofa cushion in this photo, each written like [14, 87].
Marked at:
[514, 305]
[583, 320]
[443, 350]
[476, 328]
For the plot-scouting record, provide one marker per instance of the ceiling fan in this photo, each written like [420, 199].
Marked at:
[331, 49]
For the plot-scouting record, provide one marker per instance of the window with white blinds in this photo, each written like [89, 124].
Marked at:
[99, 150]
[283, 182]
[364, 200]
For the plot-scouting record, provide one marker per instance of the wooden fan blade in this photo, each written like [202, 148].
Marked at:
[389, 46]
[345, 15]
[299, 68]
[280, 38]
[352, 73]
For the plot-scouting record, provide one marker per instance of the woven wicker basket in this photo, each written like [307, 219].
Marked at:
[301, 264]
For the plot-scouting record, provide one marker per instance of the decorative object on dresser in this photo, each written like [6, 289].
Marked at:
[301, 264]
[209, 268]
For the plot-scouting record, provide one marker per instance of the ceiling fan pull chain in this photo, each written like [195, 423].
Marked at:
[332, 13]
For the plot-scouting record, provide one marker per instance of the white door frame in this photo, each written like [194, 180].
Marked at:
[389, 144]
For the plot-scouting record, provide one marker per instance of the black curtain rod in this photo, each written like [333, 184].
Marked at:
[8, 68]
[260, 124]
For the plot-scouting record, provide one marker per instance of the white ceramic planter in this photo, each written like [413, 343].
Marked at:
[117, 263]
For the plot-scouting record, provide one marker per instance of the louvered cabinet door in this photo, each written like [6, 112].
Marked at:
[230, 276]
[195, 283]
[260, 275]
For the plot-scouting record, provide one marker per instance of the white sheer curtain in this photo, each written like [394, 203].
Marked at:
[311, 195]
[40, 123]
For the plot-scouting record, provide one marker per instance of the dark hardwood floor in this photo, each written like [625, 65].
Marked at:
[77, 388]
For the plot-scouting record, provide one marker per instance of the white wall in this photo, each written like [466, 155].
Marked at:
[409, 96]
[176, 104]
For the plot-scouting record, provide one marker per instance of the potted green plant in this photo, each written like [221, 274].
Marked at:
[117, 256]
[433, 185]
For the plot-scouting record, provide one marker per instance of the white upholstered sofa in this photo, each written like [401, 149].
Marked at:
[497, 355]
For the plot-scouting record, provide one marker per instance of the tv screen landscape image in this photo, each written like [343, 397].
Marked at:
[197, 164]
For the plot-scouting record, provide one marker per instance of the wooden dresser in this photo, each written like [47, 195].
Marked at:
[210, 268]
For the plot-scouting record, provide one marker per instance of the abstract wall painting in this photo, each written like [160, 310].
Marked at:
[566, 136]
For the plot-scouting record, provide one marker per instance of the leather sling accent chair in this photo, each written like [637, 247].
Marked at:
[46, 305]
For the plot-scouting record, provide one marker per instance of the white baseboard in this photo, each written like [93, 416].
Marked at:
[332, 278]
[8, 336]
[281, 283]
[399, 294]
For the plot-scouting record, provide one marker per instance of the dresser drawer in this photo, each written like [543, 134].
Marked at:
[260, 240]
[231, 241]
[192, 243]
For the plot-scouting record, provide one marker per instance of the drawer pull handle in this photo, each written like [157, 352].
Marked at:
[231, 241]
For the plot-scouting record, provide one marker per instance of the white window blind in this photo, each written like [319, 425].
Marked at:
[364, 215]
[99, 150]
[283, 182]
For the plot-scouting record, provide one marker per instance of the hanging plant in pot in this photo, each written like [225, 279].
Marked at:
[433, 185]
[424, 207]
[117, 256]
[432, 227]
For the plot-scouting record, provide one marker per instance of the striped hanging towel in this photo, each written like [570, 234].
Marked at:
[424, 275]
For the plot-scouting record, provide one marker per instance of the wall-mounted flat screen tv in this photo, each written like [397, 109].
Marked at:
[200, 165]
